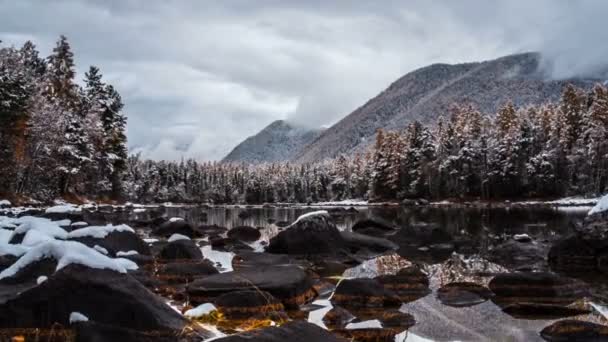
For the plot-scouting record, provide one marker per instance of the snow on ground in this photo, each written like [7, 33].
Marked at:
[64, 208]
[78, 317]
[224, 259]
[176, 237]
[66, 253]
[201, 310]
[99, 232]
[601, 206]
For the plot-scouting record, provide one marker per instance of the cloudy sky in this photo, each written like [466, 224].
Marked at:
[199, 76]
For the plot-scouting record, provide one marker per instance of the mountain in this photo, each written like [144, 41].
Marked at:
[427, 93]
[279, 141]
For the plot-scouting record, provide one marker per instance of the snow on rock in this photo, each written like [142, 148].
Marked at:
[224, 259]
[63, 223]
[10, 249]
[63, 208]
[176, 237]
[41, 279]
[41, 225]
[600, 207]
[66, 253]
[127, 253]
[100, 249]
[5, 203]
[35, 237]
[150, 240]
[200, 311]
[78, 317]
[175, 219]
[99, 232]
[364, 325]
[522, 237]
[311, 214]
[79, 224]
[139, 210]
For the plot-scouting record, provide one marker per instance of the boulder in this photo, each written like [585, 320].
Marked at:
[519, 256]
[31, 272]
[229, 244]
[244, 233]
[102, 295]
[294, 331]
[575, 255]
[357, 242]
[90, 331]
[364, 293]
[409, 284]
[462, 294]
[542, 311]
[240, 305]
[244, 259]
[539, 287]
[290, 284]
[185, 272]
[573, 330]
[181, 227]
[338, 318]
[315, 234]
[117, 241]
[181, 249]
[373, 227]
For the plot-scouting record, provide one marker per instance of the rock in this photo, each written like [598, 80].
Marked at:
[373, 227]
[542, 311]
[315, 234]
[409, 284]
[117, 241]
[290, 284]
[575, 255]
[397, 320]
[102, 295]
[6, 261]
[573, 330]
[338, 318]
[538, 288]
[176, 227]
[185, 272]
[244, 259]
[97, 332]
[356, 242]
[31, 272]
[244, 233]
[139, 259]
[364, 293]
[519, 256]
[240, 305]
[181, 249]
[211, 230]
[463, 294]
[393, 323]
[229, 245]
[58, 216]
[294, 331]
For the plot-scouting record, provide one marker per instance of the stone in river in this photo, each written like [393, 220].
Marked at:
[244, 233]
[181, 227]
[364, 293]
[290, 284]
[102, 295]
[117, 241]
[239, 305]
[409, 284]
[295, 331]
[338, 318]
[185, 271]
[462, 294]
[181, 249]
[315, 234]
[539, 287]
[573, 330]
[542, 311]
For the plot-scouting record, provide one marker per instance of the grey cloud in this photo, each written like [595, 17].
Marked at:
[199, 76]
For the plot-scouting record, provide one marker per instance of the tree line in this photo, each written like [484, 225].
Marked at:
[61, 139]
[57, 138]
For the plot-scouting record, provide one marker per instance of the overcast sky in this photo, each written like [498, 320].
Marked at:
[199, 76]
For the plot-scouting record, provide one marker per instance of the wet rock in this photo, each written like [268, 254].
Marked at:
[240, 305]
[245, 259]
[373, 227]
[397, 320]
[295, 331]
[315, 234]
[573, 330]
[229, 245]
[211, 230]
[463, 294]
[6, 261]
[575, 255]
[409, 284]
[72, 216]
[517, 255]
[102, 295]
[146, 279]
[244, 233]
[176, 227]
[181, 249]
[364, 293]
[356, 242]
[540, 288]
[290, 284]
[542, 311]
[338, 318]
[139, 259]
[117, 241]
[93, 331]
[185, 272]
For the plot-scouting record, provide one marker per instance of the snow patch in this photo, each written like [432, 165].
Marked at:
[63, 209]
[66, 253]
[79, 224]
[150, 240]
[127, 253]
[176, 237]
[224, 259]
[200, 311]
[5, 203]
[99, 232]
[176, 219]
[41, 279]
[371, 324]
[139, 210]
[601, 206]
[78, 317]
[42, 225]
[100, 249]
